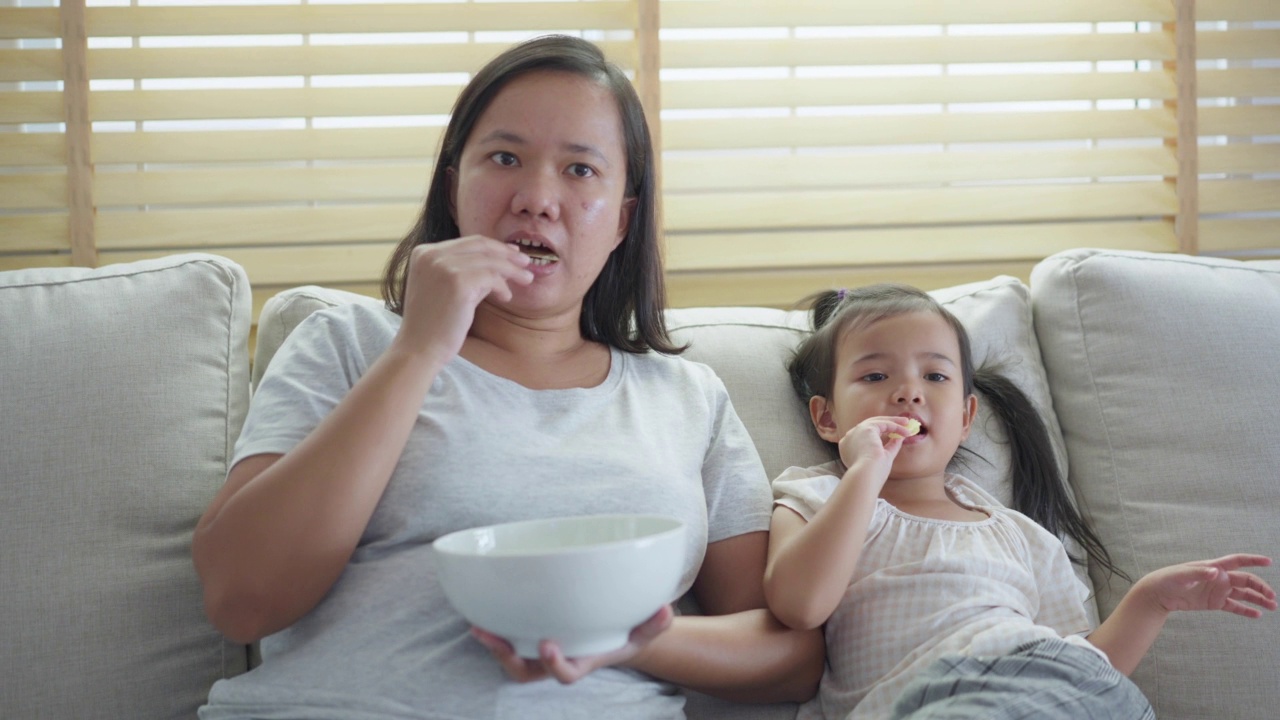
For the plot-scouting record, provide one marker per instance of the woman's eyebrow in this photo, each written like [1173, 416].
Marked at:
[580, 149]
[504, 135]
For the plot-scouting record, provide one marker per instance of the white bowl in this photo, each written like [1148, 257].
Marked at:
[583, 582]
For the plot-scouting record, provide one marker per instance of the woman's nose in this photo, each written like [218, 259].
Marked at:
[537, 197]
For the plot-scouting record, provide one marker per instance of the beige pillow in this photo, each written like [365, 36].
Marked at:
[123, 391]
[1164, 371]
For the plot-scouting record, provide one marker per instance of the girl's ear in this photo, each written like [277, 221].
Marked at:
[820, 413]
[970, 412]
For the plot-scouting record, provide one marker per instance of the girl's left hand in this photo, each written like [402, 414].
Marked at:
[1213, 585]
[569, 670]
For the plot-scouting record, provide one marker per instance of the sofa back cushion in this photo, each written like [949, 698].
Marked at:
[124, 389]
[1164, 374]
[749, 347]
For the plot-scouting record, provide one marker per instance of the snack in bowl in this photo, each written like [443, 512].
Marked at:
[582, 581]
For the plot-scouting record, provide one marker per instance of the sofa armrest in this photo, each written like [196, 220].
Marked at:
[124, 390]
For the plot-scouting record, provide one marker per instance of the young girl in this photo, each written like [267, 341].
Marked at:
[937, 600]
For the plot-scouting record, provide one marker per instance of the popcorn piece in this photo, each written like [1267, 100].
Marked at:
[913, 428]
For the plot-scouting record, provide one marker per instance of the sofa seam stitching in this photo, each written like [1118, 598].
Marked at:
[1176, 259]
[1115, 484]
[91, 278]
[226, 440]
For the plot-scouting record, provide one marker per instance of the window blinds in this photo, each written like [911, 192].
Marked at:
[805, 144]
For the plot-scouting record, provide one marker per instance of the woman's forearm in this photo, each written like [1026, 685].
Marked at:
[275, 540]
[745, 657]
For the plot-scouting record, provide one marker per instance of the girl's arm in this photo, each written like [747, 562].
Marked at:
[737, 651]
[281, 529]
[1128, 633]
[811, 564]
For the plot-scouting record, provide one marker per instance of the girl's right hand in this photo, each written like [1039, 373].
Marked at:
[446, 282]
[875, 443]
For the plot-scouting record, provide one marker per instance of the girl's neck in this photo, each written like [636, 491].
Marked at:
[927, 497]
[540, 354]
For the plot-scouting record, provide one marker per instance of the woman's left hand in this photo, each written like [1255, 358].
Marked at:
[552, 663]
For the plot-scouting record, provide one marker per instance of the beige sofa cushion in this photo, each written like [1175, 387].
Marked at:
[1165, 377]
[749, 347]
[124, 388]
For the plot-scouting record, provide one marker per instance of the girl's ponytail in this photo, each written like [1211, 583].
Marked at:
[1038, 488]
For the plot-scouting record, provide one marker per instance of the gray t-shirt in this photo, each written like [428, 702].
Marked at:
[658, 436]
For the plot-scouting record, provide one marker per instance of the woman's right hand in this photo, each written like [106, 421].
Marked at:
[446, 281]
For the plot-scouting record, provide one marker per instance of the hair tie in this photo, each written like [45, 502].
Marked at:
[840, 295]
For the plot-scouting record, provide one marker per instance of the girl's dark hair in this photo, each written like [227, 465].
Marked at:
[1038, 488]
[624, 306]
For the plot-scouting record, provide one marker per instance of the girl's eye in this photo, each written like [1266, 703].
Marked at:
[504, 158]
[581, 170]
[935, 377]
[874, 377]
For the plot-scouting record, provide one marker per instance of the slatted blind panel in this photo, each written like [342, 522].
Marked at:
[295, 138]
[806, 143]
[1238, 47]
[811, 143]
[34, 201]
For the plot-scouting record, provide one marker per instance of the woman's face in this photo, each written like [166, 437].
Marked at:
[545, 167]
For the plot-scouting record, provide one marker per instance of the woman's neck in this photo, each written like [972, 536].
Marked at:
[540, 354]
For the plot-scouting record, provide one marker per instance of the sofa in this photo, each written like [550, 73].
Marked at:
[124, 388]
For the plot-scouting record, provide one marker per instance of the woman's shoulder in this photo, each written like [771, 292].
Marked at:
[355, 315]
[357, 323]
[674, 369]
[350, 335]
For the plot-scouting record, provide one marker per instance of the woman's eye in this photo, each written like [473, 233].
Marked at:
[582, 171]
[505, 159]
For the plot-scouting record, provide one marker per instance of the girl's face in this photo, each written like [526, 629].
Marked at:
[907, 365]
[545, 167]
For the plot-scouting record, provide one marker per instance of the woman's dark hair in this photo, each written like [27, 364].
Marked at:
[624, 306]
[1038, 488]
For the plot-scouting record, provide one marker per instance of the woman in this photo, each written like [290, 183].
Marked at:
[521, 369]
